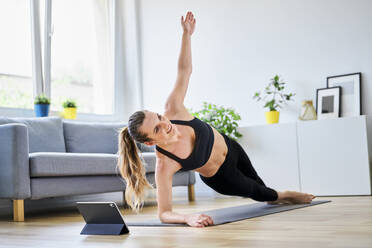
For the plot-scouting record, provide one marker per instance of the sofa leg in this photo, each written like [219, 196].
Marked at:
[18, 210]
[191, 192]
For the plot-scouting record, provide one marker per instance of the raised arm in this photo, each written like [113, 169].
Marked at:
[163, 178]
[175, 100]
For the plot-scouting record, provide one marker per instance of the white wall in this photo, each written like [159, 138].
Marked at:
[239, 45]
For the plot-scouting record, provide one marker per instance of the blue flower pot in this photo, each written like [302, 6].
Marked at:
[41, 110]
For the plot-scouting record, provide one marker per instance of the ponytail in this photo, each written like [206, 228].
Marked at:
[132, 170]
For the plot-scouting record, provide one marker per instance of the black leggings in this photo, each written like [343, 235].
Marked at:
[237, 177]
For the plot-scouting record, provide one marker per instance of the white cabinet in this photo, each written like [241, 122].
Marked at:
[323, 157]
[333, 156]
[272, 150]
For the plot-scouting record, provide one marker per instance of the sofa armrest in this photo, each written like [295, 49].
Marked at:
[14, 162]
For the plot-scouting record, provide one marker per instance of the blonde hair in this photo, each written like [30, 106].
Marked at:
[130, 164]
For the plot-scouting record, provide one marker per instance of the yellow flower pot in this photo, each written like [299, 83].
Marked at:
[69, 113]
[272, 117]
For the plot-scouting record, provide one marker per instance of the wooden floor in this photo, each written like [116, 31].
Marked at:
[345, 222]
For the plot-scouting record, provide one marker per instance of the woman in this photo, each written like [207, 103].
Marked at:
[184, 142]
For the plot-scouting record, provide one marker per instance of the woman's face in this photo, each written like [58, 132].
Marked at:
[158, 128]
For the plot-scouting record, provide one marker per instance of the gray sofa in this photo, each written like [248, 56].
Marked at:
[51, 157]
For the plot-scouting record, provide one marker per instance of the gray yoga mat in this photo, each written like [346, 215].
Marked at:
[231, 214]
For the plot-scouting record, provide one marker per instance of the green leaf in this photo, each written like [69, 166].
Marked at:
[274, 90]
[219, 117]
[69, 103]
[41, 99]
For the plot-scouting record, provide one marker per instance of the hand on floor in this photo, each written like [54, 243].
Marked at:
[198, 220]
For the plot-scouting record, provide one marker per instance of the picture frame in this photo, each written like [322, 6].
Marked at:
[351, 101]
[328, 103]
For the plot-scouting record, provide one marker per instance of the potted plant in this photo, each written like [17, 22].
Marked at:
[222, 119]
[41, 104]
[69, 109]
[274, 91]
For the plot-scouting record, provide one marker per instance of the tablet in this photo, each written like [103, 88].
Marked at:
[102, 218]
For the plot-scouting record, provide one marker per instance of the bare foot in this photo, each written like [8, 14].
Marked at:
[298, 197]
[281, 199]
[292, 197]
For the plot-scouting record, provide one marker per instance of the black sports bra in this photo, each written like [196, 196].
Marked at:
[204, 139]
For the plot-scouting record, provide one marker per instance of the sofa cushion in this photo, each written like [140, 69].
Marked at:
[45, 133]
[93, 137]
[89, 137]
[54, 164]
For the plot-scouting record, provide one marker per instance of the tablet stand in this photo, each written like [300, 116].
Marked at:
[104, 229]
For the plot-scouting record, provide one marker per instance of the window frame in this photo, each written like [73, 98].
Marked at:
[37, 67]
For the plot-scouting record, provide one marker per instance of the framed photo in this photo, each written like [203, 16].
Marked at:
[328, 103]
[351, 102]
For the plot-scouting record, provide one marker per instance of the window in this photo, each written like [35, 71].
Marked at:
[16, 88]
[81, 56]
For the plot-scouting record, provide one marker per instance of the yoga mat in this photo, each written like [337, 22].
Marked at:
[231, 214]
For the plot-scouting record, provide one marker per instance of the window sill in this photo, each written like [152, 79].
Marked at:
[18, 112]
